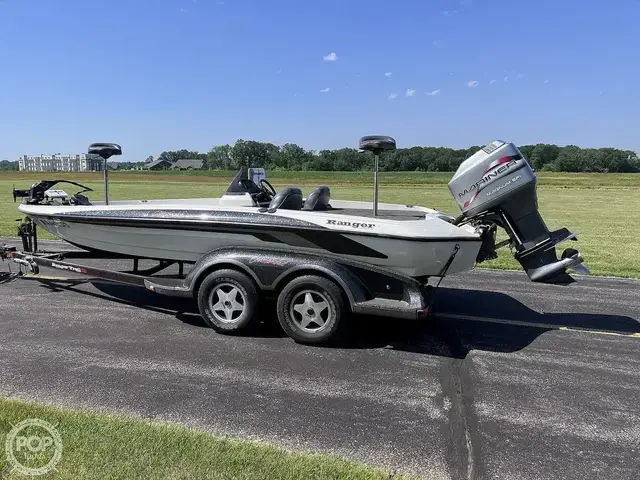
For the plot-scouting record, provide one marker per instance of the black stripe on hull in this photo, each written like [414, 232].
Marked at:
[208, 216]
[322, 239]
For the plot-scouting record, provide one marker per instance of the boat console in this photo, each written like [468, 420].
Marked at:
[250, 188]
[243, 191]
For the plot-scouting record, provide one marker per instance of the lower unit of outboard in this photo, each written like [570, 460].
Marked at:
[497, 187]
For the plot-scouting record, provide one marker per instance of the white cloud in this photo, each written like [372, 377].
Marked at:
[492, 82]
[325, 90]
[410, 92]
[521, 75]
[183, 10]
[387, 74]
[433, 92]
[472, 83]
[506, 79]
[436, 43]
[546, 81]
[332, 57]
[393, 96]
[463, 5]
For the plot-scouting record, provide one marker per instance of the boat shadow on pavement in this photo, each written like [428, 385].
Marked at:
[474, 320]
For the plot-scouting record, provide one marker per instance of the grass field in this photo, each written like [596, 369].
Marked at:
[603, 208]
[111, 446]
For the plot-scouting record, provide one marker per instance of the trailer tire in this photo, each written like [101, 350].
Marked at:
[312, 310]
[228, 301]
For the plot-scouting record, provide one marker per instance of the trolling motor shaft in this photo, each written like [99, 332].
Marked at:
[376, 144]
[105, 150]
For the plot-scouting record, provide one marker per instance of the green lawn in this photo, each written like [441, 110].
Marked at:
[603, 208]
[105, 447]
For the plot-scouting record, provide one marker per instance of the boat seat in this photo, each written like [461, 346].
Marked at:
[318, 199]
[79, 199]
[289, 198]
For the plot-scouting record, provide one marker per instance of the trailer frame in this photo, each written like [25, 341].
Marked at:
[363, 288]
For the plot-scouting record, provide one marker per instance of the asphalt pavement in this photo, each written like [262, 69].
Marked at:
[509, 379]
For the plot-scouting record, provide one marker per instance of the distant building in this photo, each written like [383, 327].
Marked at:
[159, 164]
[80, 162]
[182, 164]
[188, 164]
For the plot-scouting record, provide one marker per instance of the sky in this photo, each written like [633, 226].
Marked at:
[155, 75]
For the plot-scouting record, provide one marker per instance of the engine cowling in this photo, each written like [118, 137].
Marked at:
[497, 186]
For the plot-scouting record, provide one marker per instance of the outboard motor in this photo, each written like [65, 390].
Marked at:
[497, 187]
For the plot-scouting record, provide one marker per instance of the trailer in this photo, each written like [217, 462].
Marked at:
[315, 294]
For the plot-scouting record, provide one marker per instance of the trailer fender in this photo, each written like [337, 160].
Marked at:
[271, 270]
[350, 284]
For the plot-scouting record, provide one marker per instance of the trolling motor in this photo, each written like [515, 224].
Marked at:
[43, 191]
[20, 193]
[105, 150]
[376, 144]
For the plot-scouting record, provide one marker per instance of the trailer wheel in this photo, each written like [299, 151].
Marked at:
[311, 310]
[228, 301]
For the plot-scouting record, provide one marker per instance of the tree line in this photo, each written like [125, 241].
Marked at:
[7, 165]
[543, 157]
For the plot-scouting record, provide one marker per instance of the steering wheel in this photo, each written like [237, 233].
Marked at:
[267, 188]
[259, 194]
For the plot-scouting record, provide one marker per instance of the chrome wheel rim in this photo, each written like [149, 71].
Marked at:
[227, 302]
[310, 311]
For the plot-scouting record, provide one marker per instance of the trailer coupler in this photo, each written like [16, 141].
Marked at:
[23, 261]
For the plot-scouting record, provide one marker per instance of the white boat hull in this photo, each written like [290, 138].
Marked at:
[410, 256]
